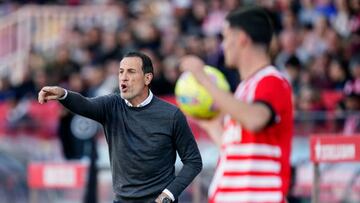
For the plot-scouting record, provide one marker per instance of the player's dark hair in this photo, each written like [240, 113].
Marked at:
[255, 22]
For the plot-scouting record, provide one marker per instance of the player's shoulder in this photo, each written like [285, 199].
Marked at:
[272, 75]
[270, 71]
[271, 79]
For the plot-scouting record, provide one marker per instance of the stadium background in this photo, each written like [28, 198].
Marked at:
[78, 43]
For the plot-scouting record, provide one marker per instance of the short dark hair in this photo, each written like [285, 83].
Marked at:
[147, 65]
[255, 21]
[293, 61]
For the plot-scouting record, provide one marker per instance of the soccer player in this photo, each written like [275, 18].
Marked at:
[143, 133]
[255, 135]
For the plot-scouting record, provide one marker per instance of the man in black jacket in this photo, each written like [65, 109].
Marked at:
[143, 133]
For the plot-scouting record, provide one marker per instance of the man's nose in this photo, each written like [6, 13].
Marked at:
[123, 77]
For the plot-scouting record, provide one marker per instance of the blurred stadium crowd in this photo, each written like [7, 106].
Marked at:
[317, 46]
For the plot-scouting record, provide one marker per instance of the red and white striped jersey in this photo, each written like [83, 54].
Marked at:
[254, 167]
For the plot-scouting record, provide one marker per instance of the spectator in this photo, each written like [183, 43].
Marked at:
[342, 19]
[351, 105]
[307, 14]
[314, 41]
[293, 70]
[317, 70]
[6, 90]
[338, 74]
[309, 100]
[289, 45]
[62, 67]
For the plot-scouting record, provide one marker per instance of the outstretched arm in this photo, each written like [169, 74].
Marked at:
[92, 108]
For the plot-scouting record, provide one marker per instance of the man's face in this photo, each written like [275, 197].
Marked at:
[355, 71]
[133, 83]
[230, 45]
[352, 103]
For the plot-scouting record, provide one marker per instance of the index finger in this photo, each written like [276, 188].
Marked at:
[41, 96]
[47, 89]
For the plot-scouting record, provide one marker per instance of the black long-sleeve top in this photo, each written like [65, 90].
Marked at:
[143, 142]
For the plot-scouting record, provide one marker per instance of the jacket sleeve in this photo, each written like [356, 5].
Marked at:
[189, 154]
[93, 108]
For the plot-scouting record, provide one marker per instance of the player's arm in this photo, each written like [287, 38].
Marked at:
[92, 108]
[253, 117]
[213, 128]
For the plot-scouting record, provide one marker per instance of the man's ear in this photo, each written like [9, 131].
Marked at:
[243, 38]
[148, 78]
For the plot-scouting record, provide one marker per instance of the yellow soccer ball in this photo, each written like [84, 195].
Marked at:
[193, 99]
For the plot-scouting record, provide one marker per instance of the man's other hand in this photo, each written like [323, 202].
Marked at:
[160, 198]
